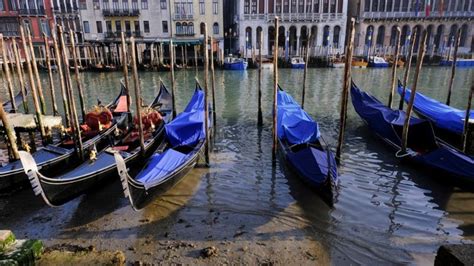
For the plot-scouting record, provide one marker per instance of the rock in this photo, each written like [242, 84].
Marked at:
[460, 254]
[131, 248]
[209, 252]
[7, 238]
[119, 258]
[245, 248]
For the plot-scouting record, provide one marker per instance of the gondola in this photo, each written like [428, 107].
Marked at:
[63, 154]
[7, 106]
[185, 140]
[448, 121]
[423, 147]
[62, 188]
[303, 148]
[102, 68]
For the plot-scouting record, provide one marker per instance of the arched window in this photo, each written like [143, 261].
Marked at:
[326, 36]
[452, 34]
[179, 29]
[368, 35]
[464, 30]
[393, 36]
[248, 37]
[335, 38]
[271, 39]
[380, 35]
[258, 32]
[190, 28]
[202, 26]
[404, 36]
[185, 28]
[439, 37]
[215, 28]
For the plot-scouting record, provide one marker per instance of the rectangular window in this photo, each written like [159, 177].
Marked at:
[202, 7]
[96, 4]
[106, 4]
[86, 27]
[271, 6]
[118, 26]
[2, 8]
[333, 6]
[136, 25]
[146, 26]
[301, 7]
[367, 5]
[135, 4]
[278, 6]
[308, 7]
[293, 6]
[164, 25]
[99, 26]
[115, 5]
[325, 6]
[286, 6]
[215, 7]
[82, 4]
[145, 4]
[128, 26]
[396, 6]
[125, 5]
[254, 6]
[13, 6]
[316, 6]
[45, 27]
[108, 26]
[247, 7]
[163, 4]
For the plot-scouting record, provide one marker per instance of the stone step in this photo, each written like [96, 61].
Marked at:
[22, 252]
[7, 238]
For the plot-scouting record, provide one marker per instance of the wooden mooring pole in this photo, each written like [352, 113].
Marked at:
[36, 74]
[407, 69]
[260, 116]
[394, 69]
[138, 97]
[38, 111]
[76, 129]
[76, 76]
[213, 84]
[125, 69]
[50, 75]
[21, 79]
[275, 91]
[8, 74]
[345, 90]
[468, 125]
[173, 84]
[206, 89]
[62, 83]
[306, 62]
[195, 59]
[10, 132]
[419, 63]
[453, 67]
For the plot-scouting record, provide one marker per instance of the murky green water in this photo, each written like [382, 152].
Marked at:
[385, 212]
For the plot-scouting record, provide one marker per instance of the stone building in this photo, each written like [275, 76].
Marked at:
[324, 20]
[66, 14]
[189, 16]
[36, 15]
[377, 21]
[104, 20]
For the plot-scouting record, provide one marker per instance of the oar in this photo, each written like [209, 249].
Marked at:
[345, 90]
[419, 63]
[125, 69]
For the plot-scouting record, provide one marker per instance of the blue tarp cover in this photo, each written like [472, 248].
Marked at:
[188, 127]
[159, 166]
[313, 164]
[294, 124]
[442, 115]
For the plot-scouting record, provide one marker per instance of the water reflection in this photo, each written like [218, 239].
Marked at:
[385, 212]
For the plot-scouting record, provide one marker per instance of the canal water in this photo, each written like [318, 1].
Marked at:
[385, 213]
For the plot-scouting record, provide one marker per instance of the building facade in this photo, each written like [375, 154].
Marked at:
[104, 20]
[35, 15]
[66, 14]
[322, 20]
[189, 16]
[377, 21]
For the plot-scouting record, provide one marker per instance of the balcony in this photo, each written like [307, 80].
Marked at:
[31, 12]
[118, 34]
[417, 15]
[185, 34]
[294, 17]
[121, 12]
[183, 17]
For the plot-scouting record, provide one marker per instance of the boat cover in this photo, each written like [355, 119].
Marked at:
[187, 129]
[160, 166]
[388, 124]
[294, 124]
[442, 115]
[313, 163]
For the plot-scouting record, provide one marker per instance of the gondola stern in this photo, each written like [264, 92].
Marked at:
[31, 170]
